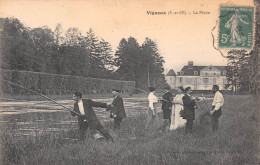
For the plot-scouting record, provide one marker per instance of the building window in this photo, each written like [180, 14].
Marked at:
[196, 73]
[205, 80]
[215, 74]
[224, 81]
[206, 74]
[224, 73]
[180, 79]
[214, 81]
[182, 73]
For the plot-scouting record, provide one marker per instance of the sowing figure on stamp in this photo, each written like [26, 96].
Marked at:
[233, 24]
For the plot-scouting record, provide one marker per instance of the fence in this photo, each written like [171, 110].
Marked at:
[57, 84]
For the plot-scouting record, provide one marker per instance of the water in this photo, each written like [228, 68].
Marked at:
[31, 118]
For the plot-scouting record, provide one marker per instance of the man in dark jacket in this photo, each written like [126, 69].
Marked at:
[189, 109]
[167, 108]
[88, 117]
[117, 111]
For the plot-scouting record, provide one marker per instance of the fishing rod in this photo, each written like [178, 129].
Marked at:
[43, 97]
[142, 90]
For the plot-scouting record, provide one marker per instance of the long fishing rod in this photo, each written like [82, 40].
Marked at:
[142, 90]
[43, 96]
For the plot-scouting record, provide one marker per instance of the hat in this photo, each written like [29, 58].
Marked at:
[181, 88]
[151, 89]
[167, 87]
[187, 89]
[115, 90]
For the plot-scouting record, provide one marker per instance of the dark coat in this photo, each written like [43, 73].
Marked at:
[90, 115]
[118, 108]
[167, 105]
[189, 110]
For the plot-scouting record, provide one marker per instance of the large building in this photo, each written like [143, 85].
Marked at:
[198, 77]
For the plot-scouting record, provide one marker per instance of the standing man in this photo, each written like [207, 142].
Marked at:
[189, 109]
[217, 103]
[88, 117]
[152, 112]
[167, 108]
[117, 109]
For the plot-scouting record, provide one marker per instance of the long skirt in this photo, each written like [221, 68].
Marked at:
[176, 120]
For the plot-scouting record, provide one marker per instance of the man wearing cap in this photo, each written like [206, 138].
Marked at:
[117, 111]
[152, 112]
[167, 108]
[88, 117]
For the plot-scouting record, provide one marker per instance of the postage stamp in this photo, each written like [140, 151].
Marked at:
[236, 27]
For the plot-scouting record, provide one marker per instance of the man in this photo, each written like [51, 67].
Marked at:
[117, 109]
[152, 112]
[167, 108]
[217, 103]
[189, 109]
[88, 117]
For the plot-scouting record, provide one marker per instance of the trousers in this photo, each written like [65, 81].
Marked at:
[215, 118]
[188, 126]
[84, 126]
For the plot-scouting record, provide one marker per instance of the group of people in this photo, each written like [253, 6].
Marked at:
[87, 118]
[178, 111]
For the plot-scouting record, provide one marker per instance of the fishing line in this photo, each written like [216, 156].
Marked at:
[42, 96]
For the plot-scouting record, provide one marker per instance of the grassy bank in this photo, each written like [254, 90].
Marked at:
[237, 142]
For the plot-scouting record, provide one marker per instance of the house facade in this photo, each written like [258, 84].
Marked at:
[198, 77]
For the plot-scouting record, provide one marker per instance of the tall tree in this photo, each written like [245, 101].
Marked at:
[43, 41]
[16, 46]
[74, 61]
[237, 72]
[141, 64]
[127, 57]
[106, 54]
[58, 34]
[92, 44]
[154, 63]
[73, 37]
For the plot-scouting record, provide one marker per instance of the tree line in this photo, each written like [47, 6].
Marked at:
[70, 52]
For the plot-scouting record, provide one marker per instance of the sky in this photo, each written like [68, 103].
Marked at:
[181, 36]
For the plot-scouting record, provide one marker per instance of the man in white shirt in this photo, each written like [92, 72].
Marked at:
[152, 112]
[88, 117]
[216, 111]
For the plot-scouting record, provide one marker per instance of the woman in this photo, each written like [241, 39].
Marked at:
[176, 119]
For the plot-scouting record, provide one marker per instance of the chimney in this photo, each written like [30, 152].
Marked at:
[190, 65]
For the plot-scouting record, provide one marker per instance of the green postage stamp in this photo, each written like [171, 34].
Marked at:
[236, 27]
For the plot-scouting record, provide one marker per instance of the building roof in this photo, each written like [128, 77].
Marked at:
[171, 73]
[190, 71]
